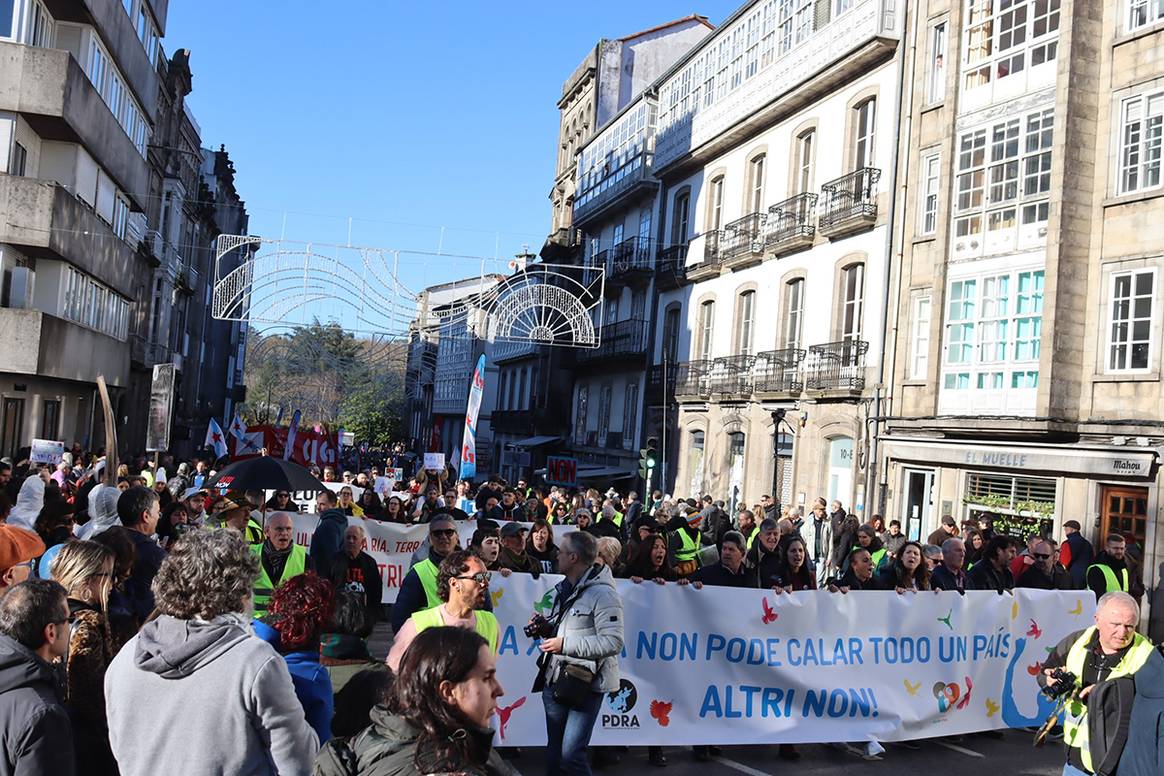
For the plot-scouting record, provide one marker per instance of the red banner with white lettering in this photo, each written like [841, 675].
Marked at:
[310, 446]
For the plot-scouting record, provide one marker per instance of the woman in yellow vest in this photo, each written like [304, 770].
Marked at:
[462, 584]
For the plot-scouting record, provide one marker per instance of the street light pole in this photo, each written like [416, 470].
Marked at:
[777, 478]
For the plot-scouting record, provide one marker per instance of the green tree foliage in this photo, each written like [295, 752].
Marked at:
[331, 376]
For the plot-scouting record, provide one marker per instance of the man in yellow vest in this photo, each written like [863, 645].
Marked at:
[418, 590]
[280, 558]
[748, 527]
[463, 585]
[1109, 571]
[1109, 649]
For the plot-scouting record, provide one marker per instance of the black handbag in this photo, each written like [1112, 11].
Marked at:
[572, 687]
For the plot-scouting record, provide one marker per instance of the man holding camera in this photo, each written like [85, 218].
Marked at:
[581, 639]
[1109, 649]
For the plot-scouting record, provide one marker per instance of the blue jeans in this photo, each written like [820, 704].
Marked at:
[568, 731]
[1071, 770]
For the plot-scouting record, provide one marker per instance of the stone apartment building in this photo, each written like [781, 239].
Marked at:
[78, 91]
[776, 155]
[1026, 378]
[111, 206]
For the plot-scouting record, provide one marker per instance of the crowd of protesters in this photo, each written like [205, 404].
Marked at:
[118, 589]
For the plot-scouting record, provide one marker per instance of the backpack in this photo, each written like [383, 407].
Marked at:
[1109, 716]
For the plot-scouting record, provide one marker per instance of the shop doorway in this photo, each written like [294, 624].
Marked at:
[1125, 511]
[918, 486]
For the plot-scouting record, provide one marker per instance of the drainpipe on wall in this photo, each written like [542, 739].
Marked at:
[884, 390]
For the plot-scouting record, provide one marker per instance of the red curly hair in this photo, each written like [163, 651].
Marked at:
[301, 607]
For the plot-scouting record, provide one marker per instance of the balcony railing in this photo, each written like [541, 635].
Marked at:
[631, 255]
[671, 267]
[618, 340]
[731, 375]
[790, 223]
[592, 200]
[836, 366]
[778, 371]
[850, 202]
[744, 237]
[710, 260]
[691, 378]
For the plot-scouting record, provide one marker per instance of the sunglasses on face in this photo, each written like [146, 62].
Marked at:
[1042, 555]
[481, 577]
[445, 532]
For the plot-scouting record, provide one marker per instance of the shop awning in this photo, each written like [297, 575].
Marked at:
[535, 441]
[1107, 462]
[606, 473]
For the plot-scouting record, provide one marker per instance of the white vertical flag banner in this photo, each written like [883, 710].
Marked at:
[467, 469]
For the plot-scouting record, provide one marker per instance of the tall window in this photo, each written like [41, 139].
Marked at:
[804, 156]
[619, 232]
[864, 122]
[580, 415]
[745, 317]
[853, 280]
[919, 357]
[50, 419]
[993, 331]
[793, 312]
[681, 218]
[644, 228]
[1141, 13]
[1130, 325]
[756, 184]
[19, 159]
[936, 74]
[695, 462]
[604, 413]
[630, 409]
[1140, 141]
[1006, 37]
[931, 167]
[706, 328]
[671, 335]
[996, 191]
[715, 205]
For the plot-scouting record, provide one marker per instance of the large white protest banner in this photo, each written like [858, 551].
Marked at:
[732, 666]
[391, 544]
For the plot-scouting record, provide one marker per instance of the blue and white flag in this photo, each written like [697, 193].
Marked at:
[468, 465]
[292, 431]
[215, 439]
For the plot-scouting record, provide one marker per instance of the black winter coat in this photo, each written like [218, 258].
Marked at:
[37, 735]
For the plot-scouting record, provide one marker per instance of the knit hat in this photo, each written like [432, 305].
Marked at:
[694, 519]
[17, 546]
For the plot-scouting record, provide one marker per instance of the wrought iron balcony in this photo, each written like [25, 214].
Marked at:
[731, 375]
[624, 339]
[850, 202]
[778, 371]
[790, 225]
[743, 240]
[836, 366]
[691, 379]
[671, 267]
[710, 261]
[630, 258]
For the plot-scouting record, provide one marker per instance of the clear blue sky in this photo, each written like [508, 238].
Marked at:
[406, 116]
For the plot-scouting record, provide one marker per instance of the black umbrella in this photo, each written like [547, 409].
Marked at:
[265, 473]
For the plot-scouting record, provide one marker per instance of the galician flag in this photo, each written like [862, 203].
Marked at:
[292, 431]
[468, 465]
[215, 439]
[238, 429]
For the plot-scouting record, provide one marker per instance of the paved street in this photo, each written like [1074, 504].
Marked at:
[1012, 753]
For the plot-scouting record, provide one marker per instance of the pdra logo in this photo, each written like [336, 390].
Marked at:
[621, 705]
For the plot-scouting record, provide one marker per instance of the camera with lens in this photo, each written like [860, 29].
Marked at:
[539, 628]
[1062, 683]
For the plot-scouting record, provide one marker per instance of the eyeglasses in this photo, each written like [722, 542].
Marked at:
[1042, 555]
[481, 577]
[444, 532]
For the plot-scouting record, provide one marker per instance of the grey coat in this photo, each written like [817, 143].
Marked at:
[211, 697]
[592, 631]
